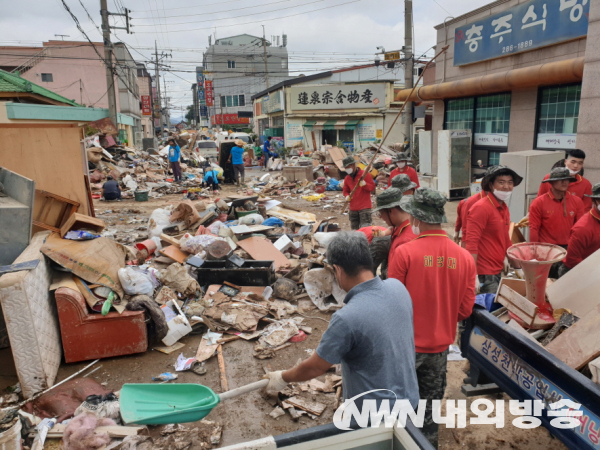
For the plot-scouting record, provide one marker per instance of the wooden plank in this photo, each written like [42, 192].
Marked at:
[519, 329]
[222, 374]
[114, 431]
[579, 344]
[516, 303]
[168, 350]
[171, 240]
[315, 408]
[261, 249]
[577, 290]
[174, 253]
[80, 221]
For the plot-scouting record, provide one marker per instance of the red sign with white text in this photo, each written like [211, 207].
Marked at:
[229, 119]
[146, 106]
[209, 93]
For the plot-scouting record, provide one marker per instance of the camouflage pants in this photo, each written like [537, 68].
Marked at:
[489, 283]
[359, 219]
[431, 375]
[380, 249]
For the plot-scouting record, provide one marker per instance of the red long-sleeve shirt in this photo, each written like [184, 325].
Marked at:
[466, 207]
[361, 199]
[368, 231]
[458, 224]
[440, 277]
[585, 239]
[402, 235]
[551, 220]
[487, 234]
[407, 170]
[579, 188]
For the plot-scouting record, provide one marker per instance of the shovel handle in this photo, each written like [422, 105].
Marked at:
[243, 390]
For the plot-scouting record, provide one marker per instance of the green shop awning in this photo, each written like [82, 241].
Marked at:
[331, 124]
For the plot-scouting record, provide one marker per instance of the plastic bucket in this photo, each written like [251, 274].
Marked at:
[11, 438]
[141, 196]
[149, 245]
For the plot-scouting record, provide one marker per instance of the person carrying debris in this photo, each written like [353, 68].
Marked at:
[581, 187]
[267, 152]
[210, 180]
[174, 156]
[360, 202]
[236, 158]
[585, 235]
[111, 189]
[404, 183]
[402, 167]
[379, 310]
[488, 223]
[440, 278]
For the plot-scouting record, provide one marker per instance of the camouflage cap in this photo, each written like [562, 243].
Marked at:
[559, 173]
[426, 205]
[403, 182]
[401, 157]
[390, 198]
[348, 160]
[595, 191]
[494, 171]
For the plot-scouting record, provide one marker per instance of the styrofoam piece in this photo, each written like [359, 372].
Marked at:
[178, 326]
[283, 243]
[31, 320]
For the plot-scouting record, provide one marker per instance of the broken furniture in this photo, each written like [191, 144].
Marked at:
[526, 371]
[54, 211]
[30, 314]
[298, 173]
[250, 273]
[82, 222]
[91, 336]
[16, 209]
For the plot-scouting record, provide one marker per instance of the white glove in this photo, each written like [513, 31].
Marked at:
[276, 382]
[477, 284]
[362, 183]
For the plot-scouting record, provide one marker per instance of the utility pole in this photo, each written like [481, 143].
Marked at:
[167, 113]
[110, 75]
[264, 43]
[157, 76]
[407, 114]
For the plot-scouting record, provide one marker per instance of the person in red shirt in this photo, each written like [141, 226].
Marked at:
[488, 222]
[404, 183]
[585, 235]
[440, 278]
[581, 187]
[552, 215]
[388, 206]
[402, 167]
[372, 231]
[360, 202]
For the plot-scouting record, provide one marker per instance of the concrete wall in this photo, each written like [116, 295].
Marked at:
[523, 101]
[588, 130]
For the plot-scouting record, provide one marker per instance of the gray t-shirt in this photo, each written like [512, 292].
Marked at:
[372, 337]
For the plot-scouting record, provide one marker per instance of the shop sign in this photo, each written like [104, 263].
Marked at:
[229, 119]
[294, 132]
[204, 112]
[558, 141]
[146, 106]
[491, 140]
[209, 93]
[530, 25]
[272, 103]
[366, 132]
[349, 96]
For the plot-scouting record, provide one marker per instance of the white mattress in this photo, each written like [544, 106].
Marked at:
[30, 314]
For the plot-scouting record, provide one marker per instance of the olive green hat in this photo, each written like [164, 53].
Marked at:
[403, 182]
[595, 191]
[559, 173]
[494, 171]
[401, 157]
[388, 199]
[347, 161]
[426, 205]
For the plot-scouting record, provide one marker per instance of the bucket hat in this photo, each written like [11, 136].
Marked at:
[426, 205]
[559, 173]
[403, 182]
[347, 161]
[390, 198]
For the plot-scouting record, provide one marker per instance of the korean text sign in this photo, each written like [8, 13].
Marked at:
[210, 94]
[348, 96]
[146, 105]
[527, 26]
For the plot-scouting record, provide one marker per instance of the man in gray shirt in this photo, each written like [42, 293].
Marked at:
[371, 336]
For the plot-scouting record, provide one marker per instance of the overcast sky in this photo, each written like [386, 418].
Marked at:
[322, 34]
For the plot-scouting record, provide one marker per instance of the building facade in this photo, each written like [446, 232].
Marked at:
[147, 96]
[520, 74]
[238, 67]
[351, 107]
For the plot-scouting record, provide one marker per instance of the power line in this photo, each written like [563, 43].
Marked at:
[90, 17]
[263, 20]
[435, 1]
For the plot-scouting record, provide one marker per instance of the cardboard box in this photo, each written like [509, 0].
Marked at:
[298, 173]
[178, 325]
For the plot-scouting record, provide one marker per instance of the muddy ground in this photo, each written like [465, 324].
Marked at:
[246, 418]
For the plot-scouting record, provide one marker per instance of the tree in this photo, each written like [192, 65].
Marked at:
[189, 116]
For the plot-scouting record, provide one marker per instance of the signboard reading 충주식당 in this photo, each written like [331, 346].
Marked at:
[348, 96]
[524, 27]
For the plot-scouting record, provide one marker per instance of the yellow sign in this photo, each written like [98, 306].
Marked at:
[392, 56]
[378, 134]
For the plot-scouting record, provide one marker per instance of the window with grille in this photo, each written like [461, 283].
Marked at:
[492, 119]
[459, 114]
[231, 64]
[47, 77]
[558, 116]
